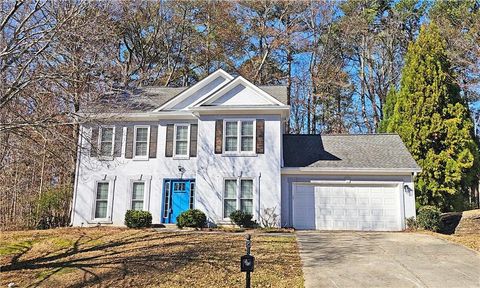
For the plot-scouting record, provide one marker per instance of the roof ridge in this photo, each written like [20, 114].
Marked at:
[180, 87]
[345, 134]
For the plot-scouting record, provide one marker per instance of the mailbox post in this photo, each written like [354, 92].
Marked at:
[247, 261]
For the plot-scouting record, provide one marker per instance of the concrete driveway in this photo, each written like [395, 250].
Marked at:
[362, 259]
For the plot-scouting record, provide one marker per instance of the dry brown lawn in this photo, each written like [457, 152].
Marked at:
[471, 241]
[108, 257]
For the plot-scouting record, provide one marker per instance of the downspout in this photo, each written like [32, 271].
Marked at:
[258, 196]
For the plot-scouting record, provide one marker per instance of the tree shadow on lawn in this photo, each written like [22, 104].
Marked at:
[132, 260]
[137, 254]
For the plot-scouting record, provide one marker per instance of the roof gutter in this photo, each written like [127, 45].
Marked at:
[139, 116]
[350, 171]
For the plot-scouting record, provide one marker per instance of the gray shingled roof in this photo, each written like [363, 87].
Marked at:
[356, 151]
[149, 98]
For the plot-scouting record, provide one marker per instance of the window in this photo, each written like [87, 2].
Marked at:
[166, 202]
[106, 141]
[181, 139]
[235, 190]
[239, 136]
[231, 135]
[138, 191]
[101, 201]
[246, 196]
[192, 194]
[247, 136]
[230, 198]
[179, 187]
[141, 141]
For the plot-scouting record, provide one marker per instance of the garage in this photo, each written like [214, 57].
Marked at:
[361, 206]
[362, 182]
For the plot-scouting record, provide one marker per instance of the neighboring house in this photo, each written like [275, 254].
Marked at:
[220, 146]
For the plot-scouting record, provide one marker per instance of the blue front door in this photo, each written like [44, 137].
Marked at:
[178, 195]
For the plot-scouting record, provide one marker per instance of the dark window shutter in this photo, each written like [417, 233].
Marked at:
[94, 142]
[152, 151]
[260, 136]
[193, 140]
[129, 144]
[169, 141]
[117, 149]
[218, 136]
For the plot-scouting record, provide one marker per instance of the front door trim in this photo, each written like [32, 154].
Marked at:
[167, 214]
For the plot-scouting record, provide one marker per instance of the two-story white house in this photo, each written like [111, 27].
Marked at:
[220, 146]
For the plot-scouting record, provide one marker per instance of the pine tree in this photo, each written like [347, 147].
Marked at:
[434, 123]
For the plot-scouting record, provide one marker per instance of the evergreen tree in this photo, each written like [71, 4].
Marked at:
[388, 109]
[434, 122]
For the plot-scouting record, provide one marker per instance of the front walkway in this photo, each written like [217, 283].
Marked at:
[361, 259]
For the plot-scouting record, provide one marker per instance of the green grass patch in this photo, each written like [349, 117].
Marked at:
[62, 242]
[15, 248]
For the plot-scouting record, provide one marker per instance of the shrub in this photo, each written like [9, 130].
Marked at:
[411, 223]
[138, 219]
[53, 207]
[241, 218]
[428, 218]
[269, 219]
[192, 218]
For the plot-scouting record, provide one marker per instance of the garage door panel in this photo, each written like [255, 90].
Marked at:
[348, 207]
[303, 205]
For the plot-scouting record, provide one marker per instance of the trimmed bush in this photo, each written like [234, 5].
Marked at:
[429, 218]
[242, 219]
[192, 218]
[138, 219]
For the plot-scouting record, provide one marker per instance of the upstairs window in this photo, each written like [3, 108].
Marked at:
[106, 141]
[231, 136]
[181, 140]
[141, 141]
[246, 136]
[239, 136]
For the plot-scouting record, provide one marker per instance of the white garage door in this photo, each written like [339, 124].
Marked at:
[347, 207]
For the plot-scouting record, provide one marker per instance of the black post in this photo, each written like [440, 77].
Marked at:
[248, 245]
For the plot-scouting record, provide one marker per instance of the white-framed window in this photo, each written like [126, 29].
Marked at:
[229, 197]
[141, 141]
[106, 140]
[101, 200]
[246, 195]
[181, 140]
[138, 195]
[237, 195]
[239, 136]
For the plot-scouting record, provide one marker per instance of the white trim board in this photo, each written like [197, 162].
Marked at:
[348, 171]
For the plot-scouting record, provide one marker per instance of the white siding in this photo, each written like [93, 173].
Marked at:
[214, 168]
[241, 95]
[153, 170]
[208, 169]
